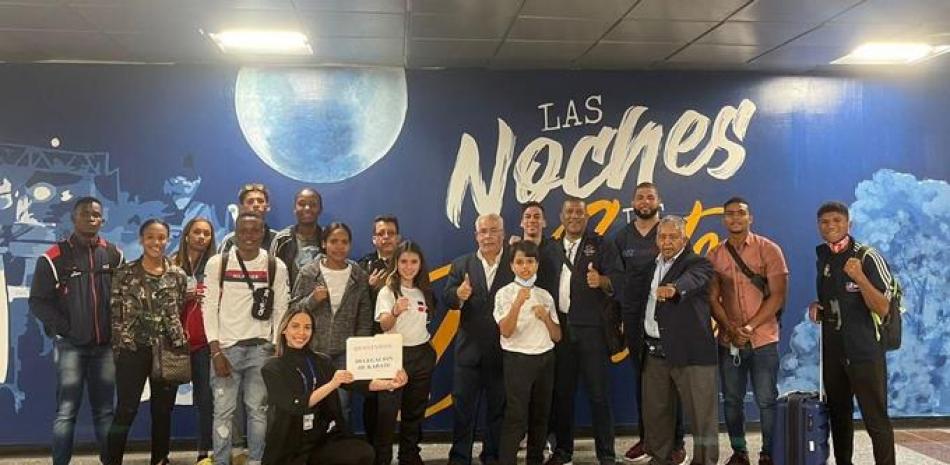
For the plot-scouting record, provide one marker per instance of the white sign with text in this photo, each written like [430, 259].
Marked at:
[376, 357]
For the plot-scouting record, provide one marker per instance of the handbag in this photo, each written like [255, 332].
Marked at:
[169, 364]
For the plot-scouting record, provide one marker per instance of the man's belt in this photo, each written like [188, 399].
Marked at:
[251, 342]
[653, 346]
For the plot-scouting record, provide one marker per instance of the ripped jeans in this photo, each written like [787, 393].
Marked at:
[246, 362]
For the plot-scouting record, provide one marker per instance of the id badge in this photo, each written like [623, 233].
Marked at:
[308, 422]
[191, 285]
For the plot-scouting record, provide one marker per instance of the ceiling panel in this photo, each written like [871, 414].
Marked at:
[563, 29]
[464, 53]
[436, 26]
[70, 45]
[364, 6]
[799, 57]
[42, 17]
[432, 48]
[360, 51]
[525, 50]
[252, 4]
[800, 11]
[658, 31]
[850, 35]
[721, 54]
[218, 19]
[349, 24]
[467, 7]
[754, 33]
[590, 9]
[898, 11]
[152, 47]
[620, 55]
[142, 18]
[686, 10]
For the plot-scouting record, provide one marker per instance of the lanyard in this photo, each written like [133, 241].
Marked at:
[309, 387]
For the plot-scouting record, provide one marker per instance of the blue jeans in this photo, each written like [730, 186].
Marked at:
[201, 396]
[762, 366]
[246, 363]
[76, 367]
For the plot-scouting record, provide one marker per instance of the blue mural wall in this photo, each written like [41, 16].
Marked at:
[438, 147]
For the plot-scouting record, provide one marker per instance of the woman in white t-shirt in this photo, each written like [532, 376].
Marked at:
[404, 306]
[527, 321]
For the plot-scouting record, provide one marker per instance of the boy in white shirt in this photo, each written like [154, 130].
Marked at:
[527, 320]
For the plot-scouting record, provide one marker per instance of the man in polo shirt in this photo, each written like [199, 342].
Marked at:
[854, 289]
[748, 326]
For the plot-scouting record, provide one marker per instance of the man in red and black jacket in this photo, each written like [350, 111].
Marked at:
[70, 296]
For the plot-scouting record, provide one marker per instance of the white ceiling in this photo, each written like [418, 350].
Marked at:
[782, 35]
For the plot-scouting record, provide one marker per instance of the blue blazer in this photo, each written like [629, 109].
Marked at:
[685, 321]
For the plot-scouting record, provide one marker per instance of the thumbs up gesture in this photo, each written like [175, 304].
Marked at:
[593, 277]
[464, 290]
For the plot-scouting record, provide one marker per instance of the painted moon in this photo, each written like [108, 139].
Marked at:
[320, 125]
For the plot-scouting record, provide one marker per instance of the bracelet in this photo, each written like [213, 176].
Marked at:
[216, 354]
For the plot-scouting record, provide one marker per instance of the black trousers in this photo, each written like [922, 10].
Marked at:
[529, 387]
[132, 369]
[582, 354]
[868, 382]
[411, 400]
[468, 384]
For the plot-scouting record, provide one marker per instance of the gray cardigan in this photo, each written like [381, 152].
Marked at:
[353, 318]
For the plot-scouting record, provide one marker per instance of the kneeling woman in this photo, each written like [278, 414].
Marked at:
[307, 425]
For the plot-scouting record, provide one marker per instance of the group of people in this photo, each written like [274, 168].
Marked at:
[265, 318]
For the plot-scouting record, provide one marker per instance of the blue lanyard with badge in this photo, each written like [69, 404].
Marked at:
[308, 388]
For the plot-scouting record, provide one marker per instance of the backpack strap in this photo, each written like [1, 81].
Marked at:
[223, 268]
[271, 270]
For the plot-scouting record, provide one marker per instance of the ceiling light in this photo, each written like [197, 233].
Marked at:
[258, 42]
[891, 53]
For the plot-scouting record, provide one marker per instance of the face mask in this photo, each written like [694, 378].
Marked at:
[526, 282]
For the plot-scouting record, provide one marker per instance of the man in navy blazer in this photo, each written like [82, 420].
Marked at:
[574, 266]
[680, 349]
[471, 287]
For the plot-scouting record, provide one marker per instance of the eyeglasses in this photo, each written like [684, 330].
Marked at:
[386, 233]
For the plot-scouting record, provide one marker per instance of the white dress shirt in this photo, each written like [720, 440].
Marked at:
[650, 325]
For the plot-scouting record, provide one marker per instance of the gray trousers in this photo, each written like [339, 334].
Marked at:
[696, 385]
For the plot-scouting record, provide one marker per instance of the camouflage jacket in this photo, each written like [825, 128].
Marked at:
[129, 306]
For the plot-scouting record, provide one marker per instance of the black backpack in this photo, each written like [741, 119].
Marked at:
[889, 329]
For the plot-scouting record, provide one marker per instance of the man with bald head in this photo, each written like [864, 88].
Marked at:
[680, 350]
[474, 280]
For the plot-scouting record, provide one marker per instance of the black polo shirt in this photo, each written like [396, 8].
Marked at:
[636, 256]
